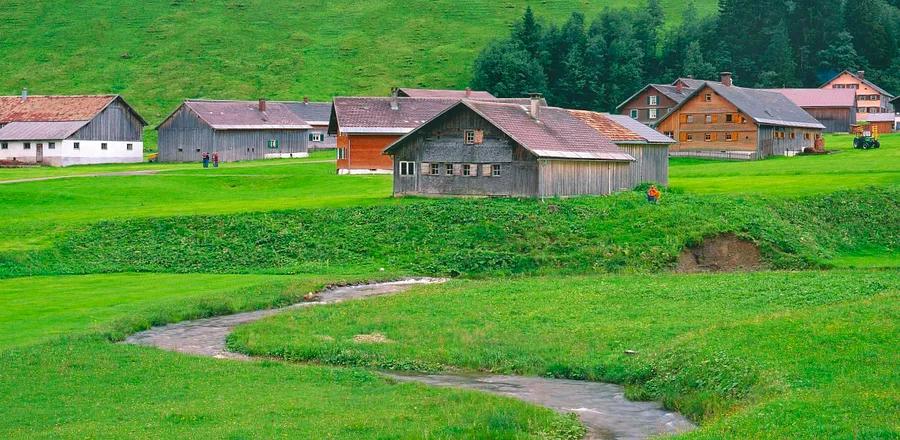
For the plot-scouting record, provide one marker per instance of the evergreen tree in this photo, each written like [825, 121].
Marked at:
[840, 55]
[528, 33]
[815, 24]
[780, 65]
[506, 69]
[868, 21]
[648, 23]
[695, 65]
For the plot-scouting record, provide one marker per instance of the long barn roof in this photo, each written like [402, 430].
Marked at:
[56, 108]
[245, 115]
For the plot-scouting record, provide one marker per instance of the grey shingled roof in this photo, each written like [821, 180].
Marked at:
[314, 113]
[556, 134]
[39, 131]
[672, 92]
[650, 135]
[764, 107]
[245, 115]
[442, 93]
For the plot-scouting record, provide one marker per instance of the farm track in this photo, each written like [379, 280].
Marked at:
[602, 407]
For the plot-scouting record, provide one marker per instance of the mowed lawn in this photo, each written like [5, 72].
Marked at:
[759, 355]
[848, 168]
[61, 377]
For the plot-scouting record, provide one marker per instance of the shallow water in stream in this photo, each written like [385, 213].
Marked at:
[601, 407]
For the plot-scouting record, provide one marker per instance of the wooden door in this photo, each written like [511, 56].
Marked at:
[39, 153]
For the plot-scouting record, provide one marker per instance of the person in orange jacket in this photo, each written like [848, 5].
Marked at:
[653, 194]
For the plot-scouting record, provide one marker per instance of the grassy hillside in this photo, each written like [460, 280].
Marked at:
[765, 355]
[158, 52]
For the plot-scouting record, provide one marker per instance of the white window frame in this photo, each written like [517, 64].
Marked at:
[342, 153]
[653, 113]
[448, 169]
[707, 97]
[435, 169]
[496, 170]
[634, 113]
[407, 168]
[317, 137]
[653, 100]
[467, 170]
[689, 119]
[469, 137]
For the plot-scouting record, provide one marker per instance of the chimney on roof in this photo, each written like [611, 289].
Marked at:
[468, 92]
[395, 103]
[535, 108]
[679, 86]
[690, 76]
[24, 93]
[306, 99]
[861, 74]
[262, 104]
[725, 79]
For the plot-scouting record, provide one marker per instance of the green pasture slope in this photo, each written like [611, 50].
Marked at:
[159, 52]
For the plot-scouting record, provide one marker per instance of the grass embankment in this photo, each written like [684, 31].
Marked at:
[480, 237]
[765, 355]
[80, 385]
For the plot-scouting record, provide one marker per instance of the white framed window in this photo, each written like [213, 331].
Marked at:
[729, 137]
[341, 153]
[689, 118]
[129, 147]
[469, 137]
[653, 113]
[707, 137]
[4, 146]
[634, 113]
[51, 145]
[316, 137]
[435, 169]
[495, 170]
[707, 97]
[272, 144]
[77, 146]
[104, 146]
[653, 100]
[448, 169]
[689, 136]
[407, 168]
[709, 119]
[467, 170]
[26, 145]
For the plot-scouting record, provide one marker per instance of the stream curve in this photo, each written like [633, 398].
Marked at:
[602, 407]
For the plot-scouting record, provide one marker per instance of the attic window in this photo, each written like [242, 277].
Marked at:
[634, 114]
[729, 117]
[470, 137]
[707, 97]
[652, 113]
[653, 100]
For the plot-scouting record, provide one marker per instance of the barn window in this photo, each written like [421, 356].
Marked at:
[129, 147]
[669, 134]
[448, 169]
[341, 153]
[634, 114]
[435, 169]
[707, 97]
[653, 100]
[689, 118]
[652, 113]
[689, 136]
[104, 146]
[4, 146]
[470, 137]
[316, 137]
[198, 150]
[729, 117]
[729, 137]
[707, 137]
[51, 145]
[76, 145]
[26, 145]
[495, 170]
[806, 136]
[467, 170]
[407, 168]
[793, 135]
[272, 144]
[709, 119]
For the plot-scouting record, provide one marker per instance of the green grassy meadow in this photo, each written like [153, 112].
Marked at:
[735, 351]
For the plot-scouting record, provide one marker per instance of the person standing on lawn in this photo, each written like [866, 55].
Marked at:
[215, 160]
[653, 194]
[205, 158]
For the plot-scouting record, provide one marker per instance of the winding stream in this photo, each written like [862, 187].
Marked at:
[601, 407]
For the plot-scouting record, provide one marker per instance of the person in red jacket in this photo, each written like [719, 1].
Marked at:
[653, 194]
[215, 160]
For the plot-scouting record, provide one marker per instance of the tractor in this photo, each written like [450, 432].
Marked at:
[867, 139]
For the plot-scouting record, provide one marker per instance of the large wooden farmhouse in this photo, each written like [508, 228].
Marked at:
[720, 120]
[833, 108]
[364, 126]
[655, 101]
[69, 130]
[235, 130]
[869, 97]
[490, 148]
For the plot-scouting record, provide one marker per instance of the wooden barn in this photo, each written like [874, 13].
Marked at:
[235, 130]
[654, 101]
[720, 120]
[833, 108]
[69, 130]
[489, 148]
[870, 98]
[316, 114]
[881, 123]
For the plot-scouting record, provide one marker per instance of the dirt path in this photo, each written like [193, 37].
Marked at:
[602, 407]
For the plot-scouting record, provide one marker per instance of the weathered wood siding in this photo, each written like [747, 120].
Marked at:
[640, 103]
[365, 152]
[789, 141]
[184, 137]
[115, 123]
[567, 178]
[835, 119]
[651, 164]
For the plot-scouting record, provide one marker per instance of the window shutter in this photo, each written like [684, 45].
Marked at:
[683, 117]
[682, 136]
[714, 118]
[310, 137]
[486, 169]
[734, 136]
[713, 136]
[426, 168]
[479, 136]
[457, 169]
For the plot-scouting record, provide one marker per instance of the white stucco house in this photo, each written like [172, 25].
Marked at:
[69, 130]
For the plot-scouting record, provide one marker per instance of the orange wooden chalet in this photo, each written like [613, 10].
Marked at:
[720, 120]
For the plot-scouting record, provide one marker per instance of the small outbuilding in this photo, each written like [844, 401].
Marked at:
[69, 130]
[235, 130]
[490, 148]
[875, 122]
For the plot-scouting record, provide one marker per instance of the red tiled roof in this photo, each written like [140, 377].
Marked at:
[819, 97]
[236, 115]
[437, 93]
[607, 127]
[52, 108]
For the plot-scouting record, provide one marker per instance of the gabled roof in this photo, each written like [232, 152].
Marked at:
[691, 82]
[441, 93]
[764, 107]
[314, 113]
[556, 134]
[621, 129]
[374, 115]
[57, 108]
[819, 97]
[862, 80]
[245, 115]
[877, 117]
[39, 131]
[670, 90]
